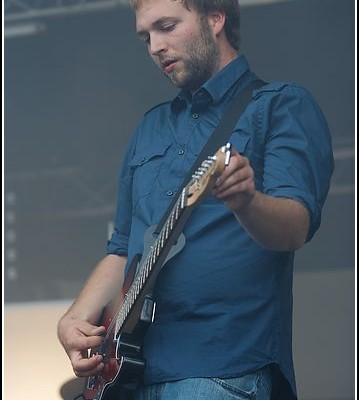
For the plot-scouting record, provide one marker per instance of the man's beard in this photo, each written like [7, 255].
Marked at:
[202, 61]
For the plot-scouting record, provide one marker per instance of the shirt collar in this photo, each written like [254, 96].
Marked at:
[215, 88]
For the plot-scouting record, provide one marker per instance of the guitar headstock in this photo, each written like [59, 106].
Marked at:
[204, 178]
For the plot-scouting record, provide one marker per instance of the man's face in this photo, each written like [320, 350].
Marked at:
[179, 41]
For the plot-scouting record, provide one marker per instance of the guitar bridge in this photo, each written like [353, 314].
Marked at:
[91, 382]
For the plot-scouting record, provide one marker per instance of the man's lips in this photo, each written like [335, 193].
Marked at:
[168, 65]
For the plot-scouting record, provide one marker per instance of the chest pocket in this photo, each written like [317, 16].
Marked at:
[146, 165]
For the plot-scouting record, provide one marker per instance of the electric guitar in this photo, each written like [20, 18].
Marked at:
[126, 326]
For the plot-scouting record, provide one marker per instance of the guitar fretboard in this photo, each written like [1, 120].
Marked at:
[150, 261]
[161, 243]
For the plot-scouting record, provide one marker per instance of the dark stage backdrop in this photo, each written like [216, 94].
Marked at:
[73, 95]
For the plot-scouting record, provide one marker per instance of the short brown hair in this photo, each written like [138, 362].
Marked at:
[229, 7]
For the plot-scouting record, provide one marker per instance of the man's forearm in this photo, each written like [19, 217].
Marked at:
[102, 287]
[275, 223]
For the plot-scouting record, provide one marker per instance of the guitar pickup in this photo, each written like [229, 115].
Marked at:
[91, 381]
[148, 310]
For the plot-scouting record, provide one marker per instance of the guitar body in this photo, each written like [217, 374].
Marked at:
[120, 375]
[123, 368]
[127, 324]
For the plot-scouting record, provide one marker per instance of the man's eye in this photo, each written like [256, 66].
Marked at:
[144, 38]
[168, 27]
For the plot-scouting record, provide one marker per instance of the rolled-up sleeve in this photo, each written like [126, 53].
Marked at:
[119, 240]
[298, 151]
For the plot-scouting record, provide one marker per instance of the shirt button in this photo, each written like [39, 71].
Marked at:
[169, 193]
[195, 115]
[181, 152]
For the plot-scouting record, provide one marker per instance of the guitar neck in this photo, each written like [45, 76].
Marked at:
[143, 282]
[156, 257]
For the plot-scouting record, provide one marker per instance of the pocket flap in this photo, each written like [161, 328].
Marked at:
[145, 155]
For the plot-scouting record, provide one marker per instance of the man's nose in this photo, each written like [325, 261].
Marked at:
[157, 44]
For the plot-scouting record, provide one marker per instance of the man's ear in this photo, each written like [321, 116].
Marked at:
[216, 21]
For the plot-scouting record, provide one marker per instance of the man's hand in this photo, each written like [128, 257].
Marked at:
[77, 337]
[276, 223]
[235, 186]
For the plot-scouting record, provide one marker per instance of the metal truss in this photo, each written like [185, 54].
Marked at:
[27, 17]
[24, 10]
[88, 198]
[20, 10]
[95, 198]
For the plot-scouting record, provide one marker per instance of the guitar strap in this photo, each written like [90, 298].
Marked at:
[219, 136]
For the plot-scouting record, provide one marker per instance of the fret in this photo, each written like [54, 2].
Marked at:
[167, 230]
[142, 278]
[159, 247]
[172, 220]
[137, 289]
[162, 239]
[177, 211]
[183, 198]
[147, 271]
[153, 259]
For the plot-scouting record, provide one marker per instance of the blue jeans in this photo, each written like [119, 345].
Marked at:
[255, 386]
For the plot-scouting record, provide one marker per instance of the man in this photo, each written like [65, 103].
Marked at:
[222, 326]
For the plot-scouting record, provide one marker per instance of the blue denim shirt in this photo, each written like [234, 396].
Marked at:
[224, 303]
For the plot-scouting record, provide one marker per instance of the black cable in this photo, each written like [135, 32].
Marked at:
[80, 396]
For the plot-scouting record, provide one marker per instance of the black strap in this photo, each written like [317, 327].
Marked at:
[219, 136]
